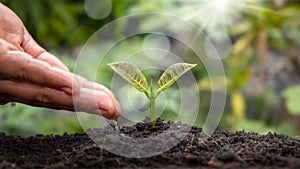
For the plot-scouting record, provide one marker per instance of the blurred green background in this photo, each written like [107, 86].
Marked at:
[262, 64]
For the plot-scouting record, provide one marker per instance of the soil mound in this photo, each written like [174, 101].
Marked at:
[221, 150]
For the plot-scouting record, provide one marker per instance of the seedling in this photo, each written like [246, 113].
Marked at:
[136, 78]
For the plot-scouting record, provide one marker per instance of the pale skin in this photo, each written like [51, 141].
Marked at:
[31, 75]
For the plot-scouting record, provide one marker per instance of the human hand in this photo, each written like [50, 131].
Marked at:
[31, 75]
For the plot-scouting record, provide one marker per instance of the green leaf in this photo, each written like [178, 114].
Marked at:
[132, 74]
[292, 96]
[171, 74]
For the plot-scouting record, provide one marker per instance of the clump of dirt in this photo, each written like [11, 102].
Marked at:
[220, 150]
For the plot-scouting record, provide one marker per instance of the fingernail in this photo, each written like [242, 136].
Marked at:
[67, 90]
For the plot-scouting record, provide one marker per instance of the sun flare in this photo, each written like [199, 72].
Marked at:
[217, 14]
[222, 5]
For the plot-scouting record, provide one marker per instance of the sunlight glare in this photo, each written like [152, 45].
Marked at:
[221, 5]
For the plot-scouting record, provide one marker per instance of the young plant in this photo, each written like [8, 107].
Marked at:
[136, 78]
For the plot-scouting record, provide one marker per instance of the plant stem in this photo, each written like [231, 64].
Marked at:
[152, 104]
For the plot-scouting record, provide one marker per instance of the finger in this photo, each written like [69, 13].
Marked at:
[22, 67]
[117, 106]
[116, 103]
[96, 86]
[46, 97]
[34, 94]
[95, 101]
[9, 98]
[32, 48]
[80, 82]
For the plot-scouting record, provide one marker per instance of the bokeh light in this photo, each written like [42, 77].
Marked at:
[98, 9]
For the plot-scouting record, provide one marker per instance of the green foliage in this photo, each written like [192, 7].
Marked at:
[262, 128]
[292, 96]
[27, 120]
[136, 78]
[239, 79]
[62, 25]
[55, 22]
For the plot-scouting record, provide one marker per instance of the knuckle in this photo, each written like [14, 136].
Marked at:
[42, 96]
[23, 74]
[79, 83]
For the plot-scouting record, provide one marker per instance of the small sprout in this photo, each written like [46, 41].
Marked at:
[137, 79]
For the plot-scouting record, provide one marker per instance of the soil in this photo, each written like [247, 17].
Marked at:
[222, 149]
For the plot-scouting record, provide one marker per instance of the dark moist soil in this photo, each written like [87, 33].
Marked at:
[221, 150]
